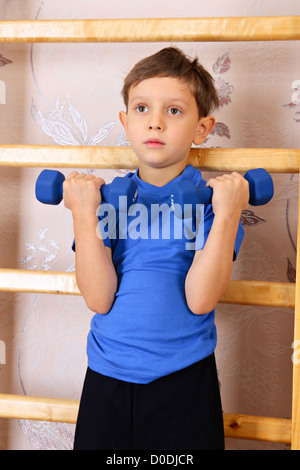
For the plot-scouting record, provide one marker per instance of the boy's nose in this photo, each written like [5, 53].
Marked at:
[155, 127]
[155, 122]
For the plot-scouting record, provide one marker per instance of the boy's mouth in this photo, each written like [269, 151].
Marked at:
[154, 143]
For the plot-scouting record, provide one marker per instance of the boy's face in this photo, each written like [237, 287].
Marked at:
[162, 122]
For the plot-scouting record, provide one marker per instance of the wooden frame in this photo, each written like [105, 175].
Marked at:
[273, 160]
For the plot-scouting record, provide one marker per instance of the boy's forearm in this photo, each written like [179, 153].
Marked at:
[95, 273]
[210, 272]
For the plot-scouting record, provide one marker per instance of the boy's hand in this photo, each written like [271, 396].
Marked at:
[230, 194]
[81, 193]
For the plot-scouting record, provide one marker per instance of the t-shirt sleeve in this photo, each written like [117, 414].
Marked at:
[204, 227]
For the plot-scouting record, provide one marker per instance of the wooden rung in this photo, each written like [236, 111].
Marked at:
[274, 294]
[271, 294]
[259, 428]
[38, 408]
[61, 410]
[45, 282]
[271, 28]
[214, 159]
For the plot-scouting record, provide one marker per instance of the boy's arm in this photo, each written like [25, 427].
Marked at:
[95, 273]
[210, 272]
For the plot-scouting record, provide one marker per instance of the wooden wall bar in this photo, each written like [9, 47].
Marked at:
[62, 410]
[214, 159]
[277, 28]
[274, 294]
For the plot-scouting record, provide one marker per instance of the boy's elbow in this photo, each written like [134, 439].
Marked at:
[101, 301]
[203, 301]
[201, 307]
[100, 304]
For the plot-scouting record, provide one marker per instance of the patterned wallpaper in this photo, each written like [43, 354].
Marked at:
[69, 94]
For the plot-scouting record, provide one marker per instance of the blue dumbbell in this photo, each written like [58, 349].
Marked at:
[49, 189]
[261, 190]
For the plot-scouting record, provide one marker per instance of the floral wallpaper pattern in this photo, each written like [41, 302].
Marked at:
[69, 94]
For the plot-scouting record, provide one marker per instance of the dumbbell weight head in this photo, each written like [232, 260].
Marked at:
[120, 186]
[49, 187]
[261, 188]
[185, 193]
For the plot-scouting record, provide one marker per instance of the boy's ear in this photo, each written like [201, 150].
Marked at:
[205, 125]
[123, 119]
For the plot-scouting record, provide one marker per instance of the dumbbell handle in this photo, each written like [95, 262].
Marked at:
[205, 194]
[58, 187]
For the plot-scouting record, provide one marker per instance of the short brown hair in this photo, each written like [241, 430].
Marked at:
[172, 62]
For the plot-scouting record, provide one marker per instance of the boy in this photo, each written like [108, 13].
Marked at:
[151, 381]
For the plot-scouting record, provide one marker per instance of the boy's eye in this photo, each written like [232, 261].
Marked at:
[174, 111]
[141, 108]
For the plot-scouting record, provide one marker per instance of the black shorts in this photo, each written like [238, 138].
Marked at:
[181, 411]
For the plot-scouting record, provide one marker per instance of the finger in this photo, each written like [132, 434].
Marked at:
[212, 182]
[235, 174]
[100, 181]
[227, 176]
[222, 178]
[81, 176]
[88, 177]
[72, 175]
[78, 176]
[231, 177]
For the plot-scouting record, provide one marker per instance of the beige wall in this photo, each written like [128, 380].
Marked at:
[70, 94]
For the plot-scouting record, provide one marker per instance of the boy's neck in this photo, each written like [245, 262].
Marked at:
[160, 176]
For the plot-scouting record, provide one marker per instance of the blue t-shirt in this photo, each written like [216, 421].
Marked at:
[150, 332]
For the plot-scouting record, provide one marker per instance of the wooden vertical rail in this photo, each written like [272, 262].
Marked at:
[295, 445]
